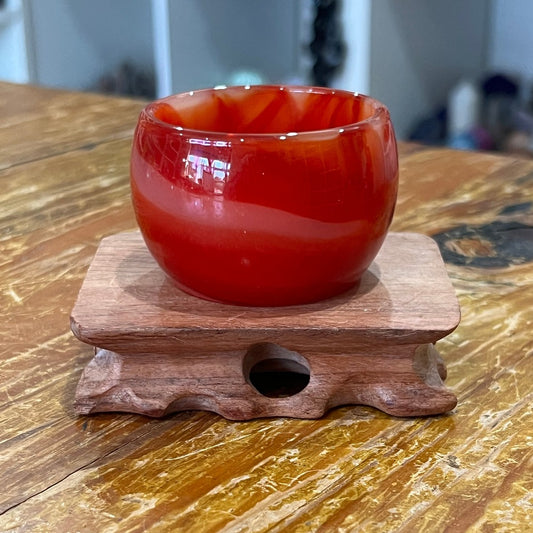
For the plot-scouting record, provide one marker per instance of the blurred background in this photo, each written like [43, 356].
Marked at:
[451, 72]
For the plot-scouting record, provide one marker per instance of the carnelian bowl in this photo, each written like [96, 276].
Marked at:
[264, 195]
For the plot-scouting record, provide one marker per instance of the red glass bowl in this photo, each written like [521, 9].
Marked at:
[264, 195]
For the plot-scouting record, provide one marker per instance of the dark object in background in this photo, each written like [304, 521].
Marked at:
[128, 80]
[327, 48]
[432, 129]
[500, 102]
[499, 84]
[504, 124]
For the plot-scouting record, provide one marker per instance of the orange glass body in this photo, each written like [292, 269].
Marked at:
[264, 195]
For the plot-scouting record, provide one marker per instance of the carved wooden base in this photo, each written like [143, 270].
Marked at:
[160, 350]
[229, 385]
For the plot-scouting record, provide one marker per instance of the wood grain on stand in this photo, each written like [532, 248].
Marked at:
[160, 350]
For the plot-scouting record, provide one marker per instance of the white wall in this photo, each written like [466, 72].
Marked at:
[355, 18]
[410, 53]
[13, 65]
[209, 39]
[511, 45]
[420, 49]
[407, 53]
[77, 41]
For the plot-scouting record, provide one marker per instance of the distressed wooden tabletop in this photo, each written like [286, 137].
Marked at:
[64, 186]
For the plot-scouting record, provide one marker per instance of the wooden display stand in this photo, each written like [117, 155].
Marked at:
[160, 350]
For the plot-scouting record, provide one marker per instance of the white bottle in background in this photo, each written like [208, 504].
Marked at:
[463, 109]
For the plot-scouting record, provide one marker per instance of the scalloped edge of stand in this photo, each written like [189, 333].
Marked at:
[409, 384]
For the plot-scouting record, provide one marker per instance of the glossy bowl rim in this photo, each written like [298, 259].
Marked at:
[381, 114]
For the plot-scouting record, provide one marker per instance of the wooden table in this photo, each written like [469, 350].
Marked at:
[64, 186]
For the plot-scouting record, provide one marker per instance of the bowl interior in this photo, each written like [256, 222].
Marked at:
[264, 110]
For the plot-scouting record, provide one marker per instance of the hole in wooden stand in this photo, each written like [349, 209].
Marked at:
[274, 371]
